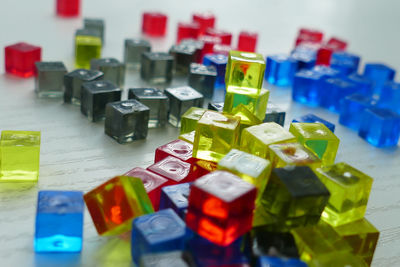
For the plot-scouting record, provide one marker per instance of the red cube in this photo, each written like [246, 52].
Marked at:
[222, 49]
[205, 20]
[247, 41]
[324, 55]
[209, 43]
[154, 24]
[226, 37]
[221, 207]
[203, 167]
[309, 36]
[20, 59]
[336, 44]
[178, 148]
[68, 8]
[175, 170]
[187, 30]
[151, 182]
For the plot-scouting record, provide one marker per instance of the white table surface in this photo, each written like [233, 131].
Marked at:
[77, 155]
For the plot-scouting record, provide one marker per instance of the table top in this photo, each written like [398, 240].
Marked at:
[77, 155]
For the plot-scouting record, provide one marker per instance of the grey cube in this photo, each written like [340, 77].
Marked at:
[274, 114]
[114, 71]
[180, 100]
[202, 78]
[217, 106]
[73, 83]
[95, 96]
[134, 48]
[184, 54]
[196, 43]
[95, 25]
[50, 79]
[156, 100]
[157, 67]
[126, 120]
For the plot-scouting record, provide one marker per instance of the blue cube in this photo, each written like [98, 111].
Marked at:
[175, 197]
[305, 58]
[280, 70]
[380, 127]
[352, 108]
[274, 114]
[307, 84]
[161, 231]
[364, 84]
[59, 221]
[379, 74]
[390, 97]
[266, 261]
[311, 118]
[206, 253]
[333, 90]
[219, 61]
[345, 62]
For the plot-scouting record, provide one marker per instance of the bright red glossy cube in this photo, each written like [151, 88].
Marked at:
[247, 41]
[221, 207]
[20, 59]
[309, 36]
[336, 44]
[177, 148]
[209, 43]
[152, 183]
[324, 55]
[205, 20]
[175, 170]
[187, 30]
[68, 8]
[226, 37]
[154, 23]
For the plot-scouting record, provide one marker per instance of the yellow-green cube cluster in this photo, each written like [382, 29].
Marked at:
[252, 169]
[349, 189]
[317, 138]
[257, 139]
[19, 156]
[87, 47]
[216, 134]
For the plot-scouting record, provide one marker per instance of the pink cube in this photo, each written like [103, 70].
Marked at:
[151, 182]
[20, 59]
[178, 148]
[175, 170]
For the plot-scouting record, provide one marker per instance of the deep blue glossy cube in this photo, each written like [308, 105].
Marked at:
[333, 90]
[308, 83]
[305, 58]
[265, 261]
[364, 84]
[390, 97]
[206, 253]
[280, 70]
[59, 221]
[379, 74]
[380, 127]
[157, 232]
[219, 61]
[352, 108]
[311, 118]
[274, 114]
[345, 62]
[175, 197]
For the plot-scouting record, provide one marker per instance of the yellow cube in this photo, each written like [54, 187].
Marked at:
[19, 156]
[292, 154]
